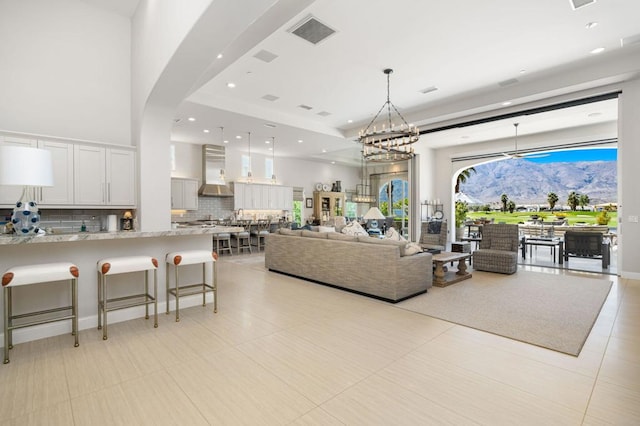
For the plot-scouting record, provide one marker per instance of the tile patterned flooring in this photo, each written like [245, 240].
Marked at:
[285, 351]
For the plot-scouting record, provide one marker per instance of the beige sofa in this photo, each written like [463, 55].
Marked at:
[361, 264]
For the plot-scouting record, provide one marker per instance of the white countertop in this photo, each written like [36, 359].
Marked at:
[94, 236]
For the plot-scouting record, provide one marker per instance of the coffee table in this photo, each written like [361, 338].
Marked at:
[442, 278]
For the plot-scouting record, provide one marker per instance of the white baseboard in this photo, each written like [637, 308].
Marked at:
[630, 275]
[43, 331]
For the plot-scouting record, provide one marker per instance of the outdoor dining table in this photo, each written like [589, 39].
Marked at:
[551, 242]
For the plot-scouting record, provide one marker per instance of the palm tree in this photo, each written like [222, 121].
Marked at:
[504, 200]
[573, 199]
[463, 176]
[511, 206]
[583, 201]
[552, 199]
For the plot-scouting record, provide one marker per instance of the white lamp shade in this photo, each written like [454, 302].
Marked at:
[25, 166]
[374, 213]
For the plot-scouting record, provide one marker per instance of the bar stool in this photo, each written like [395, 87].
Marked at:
[34, 274]
[192, 257]
[122, 265]
[260, 232]
[243, 238]
[222, 242]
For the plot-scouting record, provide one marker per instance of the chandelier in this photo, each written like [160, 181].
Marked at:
[393, 141]
[362, 194]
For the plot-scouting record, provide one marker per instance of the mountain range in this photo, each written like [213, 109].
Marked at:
[528, 182]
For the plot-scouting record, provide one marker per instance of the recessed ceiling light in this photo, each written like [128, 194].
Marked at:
[238, 137]
[191, 119]
[506, 103]
[523, 71]
[225, 141]
[597, 50]
[333, 162]
[219, 56]
[591, 25]
[267, 142]
[270, 149]
[206, 130]
[231, 85]
[324, 150]
[349, 121]
[300, 141]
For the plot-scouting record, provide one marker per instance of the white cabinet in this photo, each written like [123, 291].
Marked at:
[262, 197]
[61, 194]
[184, 194]
[104, 176]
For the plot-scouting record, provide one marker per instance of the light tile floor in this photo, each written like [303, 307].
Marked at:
[285, 351]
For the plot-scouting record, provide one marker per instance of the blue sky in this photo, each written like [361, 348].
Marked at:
[605, 154]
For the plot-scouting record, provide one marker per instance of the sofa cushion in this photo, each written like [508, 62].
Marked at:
[312, 234]
[341, 237]
[501, 243]
[384, 241]
[326, 229]
[286, 231]
[354, 228]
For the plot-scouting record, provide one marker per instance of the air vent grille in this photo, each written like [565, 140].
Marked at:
[312, 30]
[508, 82]
[265, 55]
[429, 90]
[324, 114]
[577, 4]
[626, 41]
[307, 107]
[270, 98]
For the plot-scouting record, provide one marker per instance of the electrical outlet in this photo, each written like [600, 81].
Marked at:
[633, 219]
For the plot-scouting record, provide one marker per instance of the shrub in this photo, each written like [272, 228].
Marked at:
[603, 218]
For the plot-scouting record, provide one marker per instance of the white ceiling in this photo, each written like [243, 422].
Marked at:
[463, 47]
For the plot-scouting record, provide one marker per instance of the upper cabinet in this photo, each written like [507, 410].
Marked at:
[184, 194]
[61, 194]
[83, 175]
[104, 176]
[262, 197]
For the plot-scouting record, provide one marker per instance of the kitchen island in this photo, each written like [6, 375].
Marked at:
[85, 249]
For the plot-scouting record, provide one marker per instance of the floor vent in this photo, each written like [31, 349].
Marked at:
[312, 30]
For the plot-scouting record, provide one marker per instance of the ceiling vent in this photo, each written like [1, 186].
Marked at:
[324, 114]
[577, 4]
[508, 82]
[265, 55]
[428, 90]
[307, 107]
[270, 98]
[627, 41]
[312, 30]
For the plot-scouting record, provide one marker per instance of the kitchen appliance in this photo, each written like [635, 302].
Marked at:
[213, 163]
[112, 223]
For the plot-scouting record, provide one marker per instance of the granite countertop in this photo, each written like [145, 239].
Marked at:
[7, 239]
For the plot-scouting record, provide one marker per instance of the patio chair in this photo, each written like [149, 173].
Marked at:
[433, 235]
[498, 250]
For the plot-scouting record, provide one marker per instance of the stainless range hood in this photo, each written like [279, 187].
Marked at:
[213, 162]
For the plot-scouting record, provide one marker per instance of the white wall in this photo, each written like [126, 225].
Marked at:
[65, 70]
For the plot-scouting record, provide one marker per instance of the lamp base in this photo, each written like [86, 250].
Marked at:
[26, 216]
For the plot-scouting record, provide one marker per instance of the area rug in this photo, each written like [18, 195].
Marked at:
[553, 311]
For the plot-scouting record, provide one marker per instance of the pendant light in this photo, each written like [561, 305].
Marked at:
[249, 171]
[273, 159]
[222, 142]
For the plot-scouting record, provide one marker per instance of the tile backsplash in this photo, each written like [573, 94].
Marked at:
[66, 220]
[208, 207]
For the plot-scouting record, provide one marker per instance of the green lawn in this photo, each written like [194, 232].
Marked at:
[573, 217]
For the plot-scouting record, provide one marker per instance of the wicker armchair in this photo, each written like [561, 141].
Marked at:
[433, 235]
[498, 250]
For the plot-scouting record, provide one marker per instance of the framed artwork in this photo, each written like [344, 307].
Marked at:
[309, 203]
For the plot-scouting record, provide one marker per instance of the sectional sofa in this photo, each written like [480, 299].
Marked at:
[365, 265]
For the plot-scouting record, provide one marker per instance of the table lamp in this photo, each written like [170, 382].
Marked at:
[30, 168]
[373, 215]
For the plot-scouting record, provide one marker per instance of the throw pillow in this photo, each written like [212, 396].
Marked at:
[354, 228]
[394, 235]
[372, 240]
[434, 227]
[412, 248]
